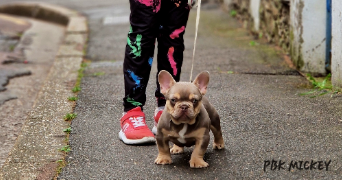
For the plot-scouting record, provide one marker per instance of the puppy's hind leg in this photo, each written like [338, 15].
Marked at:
[215, 127]
[176, 149]
[218, 139]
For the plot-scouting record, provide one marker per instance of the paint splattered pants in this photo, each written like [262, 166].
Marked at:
[164, 20]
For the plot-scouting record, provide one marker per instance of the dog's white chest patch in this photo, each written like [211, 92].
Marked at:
[181, 133]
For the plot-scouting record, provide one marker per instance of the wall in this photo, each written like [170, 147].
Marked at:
[254, 10]
[274, 22]
[265, 18]
[308, 33]
[300, 29]
[296, 32]
[336, 61]
[242, 7]
[226, 4]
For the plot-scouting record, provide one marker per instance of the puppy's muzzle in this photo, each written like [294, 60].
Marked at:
[184, 108]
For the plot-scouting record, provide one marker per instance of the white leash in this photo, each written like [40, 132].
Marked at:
[197, 22]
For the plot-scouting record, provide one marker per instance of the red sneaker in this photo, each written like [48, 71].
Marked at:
[157, 114]
[134, 129]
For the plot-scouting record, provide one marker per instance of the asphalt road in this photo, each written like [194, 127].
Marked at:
[263, 116]
[253, 89]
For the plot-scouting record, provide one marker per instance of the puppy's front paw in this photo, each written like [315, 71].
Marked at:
[198, 163]
[176, 149]
[218, 145]
[163, 159]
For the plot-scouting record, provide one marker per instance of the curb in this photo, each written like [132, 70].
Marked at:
[35, 152]
[75, 22]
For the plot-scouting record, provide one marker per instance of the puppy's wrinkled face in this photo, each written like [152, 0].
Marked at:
[183, 102]
[183, 99]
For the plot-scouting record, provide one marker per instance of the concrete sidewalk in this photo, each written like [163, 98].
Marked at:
[39, 57]
[252, 87]
[254, 90]
[54, 52]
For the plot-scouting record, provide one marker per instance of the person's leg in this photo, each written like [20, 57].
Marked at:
[137, 66]
[139, 51]
[171, 41]
[173, 19]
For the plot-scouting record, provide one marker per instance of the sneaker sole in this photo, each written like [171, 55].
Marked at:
[144, 140]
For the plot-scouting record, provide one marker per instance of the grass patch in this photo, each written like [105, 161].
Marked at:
[253, 43]
[67, 139]
[233, 13]
[61, 164]
[70, 116]
[65, 149]
[11, 47]
[321, 86]
[261, 35]
[80, 75]
[73, 98]
[76, 89]
[99, 74]
[85, 50]
[67, 130]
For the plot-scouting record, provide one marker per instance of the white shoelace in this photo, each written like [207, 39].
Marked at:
[137, 121]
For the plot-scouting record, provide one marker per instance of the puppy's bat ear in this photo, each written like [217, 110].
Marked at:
[201, 81]
[166, 81]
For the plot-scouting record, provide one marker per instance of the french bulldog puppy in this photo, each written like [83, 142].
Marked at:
[186, 120]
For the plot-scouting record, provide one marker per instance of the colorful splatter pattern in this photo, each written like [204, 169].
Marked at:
[135, 46]
[136, 79]
[175, 34]
[150, 61]
[133, 102]
[155, 4]
[171, 57]
[172, 60]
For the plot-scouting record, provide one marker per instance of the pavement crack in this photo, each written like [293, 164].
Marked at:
[284, 73]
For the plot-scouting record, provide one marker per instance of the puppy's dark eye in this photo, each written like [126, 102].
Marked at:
[194, 101]
[173, 100]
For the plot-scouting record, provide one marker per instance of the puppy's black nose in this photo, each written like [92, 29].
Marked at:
[184, 107]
